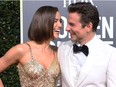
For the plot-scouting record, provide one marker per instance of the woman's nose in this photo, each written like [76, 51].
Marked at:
[59, 24]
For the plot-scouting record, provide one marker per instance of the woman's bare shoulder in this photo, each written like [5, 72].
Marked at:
[17, 50]
[14, 54]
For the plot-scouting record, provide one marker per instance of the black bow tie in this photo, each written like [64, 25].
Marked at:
[83, 49]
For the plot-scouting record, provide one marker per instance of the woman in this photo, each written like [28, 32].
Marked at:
[1, 84]
[37, 59]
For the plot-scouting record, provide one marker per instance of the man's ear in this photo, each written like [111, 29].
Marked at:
[89, 27]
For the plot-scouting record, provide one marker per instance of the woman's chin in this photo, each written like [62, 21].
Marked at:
[56, 37]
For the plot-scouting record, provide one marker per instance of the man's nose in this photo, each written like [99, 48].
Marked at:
[67, 28]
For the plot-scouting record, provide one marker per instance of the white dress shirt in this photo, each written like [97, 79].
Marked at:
[77, 61]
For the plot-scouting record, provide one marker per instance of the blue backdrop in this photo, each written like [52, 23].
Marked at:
[106, 29]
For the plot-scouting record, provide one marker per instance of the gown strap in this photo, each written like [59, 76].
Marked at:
[30, 50]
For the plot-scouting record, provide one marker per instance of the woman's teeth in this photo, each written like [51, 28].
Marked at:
[56, 30]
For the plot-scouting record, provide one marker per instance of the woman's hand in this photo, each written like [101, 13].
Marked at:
[1, 84]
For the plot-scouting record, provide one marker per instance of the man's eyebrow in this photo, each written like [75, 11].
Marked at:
[72, 24]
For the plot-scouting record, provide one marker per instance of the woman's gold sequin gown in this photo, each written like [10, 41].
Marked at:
[33, 74]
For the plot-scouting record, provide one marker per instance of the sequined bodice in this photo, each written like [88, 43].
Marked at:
[33, 74]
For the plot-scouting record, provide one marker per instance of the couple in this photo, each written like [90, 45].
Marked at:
[85, 61]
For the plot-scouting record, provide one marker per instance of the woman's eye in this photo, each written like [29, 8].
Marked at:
[55, 20]
[60, 20]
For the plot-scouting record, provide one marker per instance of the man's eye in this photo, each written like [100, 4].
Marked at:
[71, 24]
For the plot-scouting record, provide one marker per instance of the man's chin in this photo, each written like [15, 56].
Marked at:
[73, 40]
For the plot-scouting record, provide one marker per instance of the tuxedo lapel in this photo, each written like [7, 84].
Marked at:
[67, 67]
[90, 61]
[65, 62]
[89, 64]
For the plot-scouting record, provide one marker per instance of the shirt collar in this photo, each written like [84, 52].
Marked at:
[91, 43]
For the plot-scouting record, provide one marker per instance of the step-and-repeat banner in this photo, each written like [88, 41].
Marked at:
[105, 30]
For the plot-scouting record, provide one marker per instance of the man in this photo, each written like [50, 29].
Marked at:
[93, 64]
